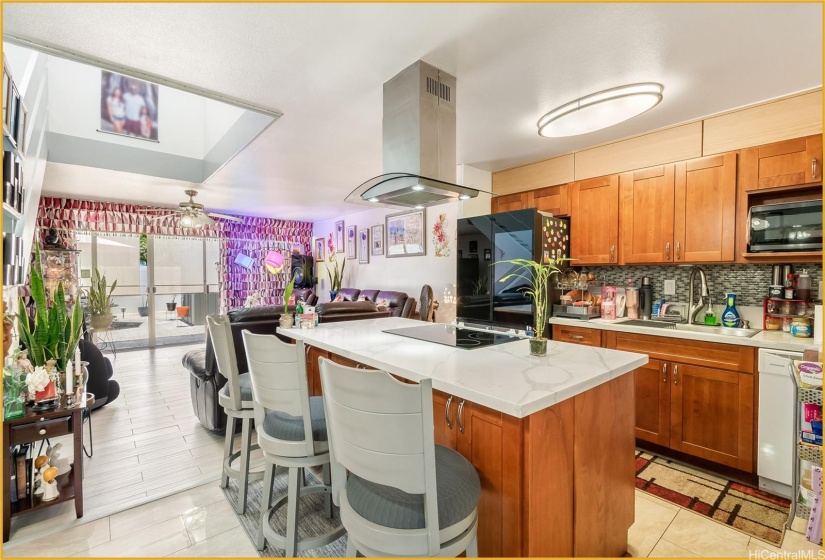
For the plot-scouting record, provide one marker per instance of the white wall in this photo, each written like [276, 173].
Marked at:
[405, 274]
[217, 119]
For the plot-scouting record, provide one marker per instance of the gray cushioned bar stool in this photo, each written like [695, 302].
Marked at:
[405, 496]
[236, 399]
[292, 433]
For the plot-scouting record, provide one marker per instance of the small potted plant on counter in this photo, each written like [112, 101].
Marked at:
[172, 304]
[537, 276]
[287, 319]
[100, 301]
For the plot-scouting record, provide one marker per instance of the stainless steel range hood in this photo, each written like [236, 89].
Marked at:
[419, 142]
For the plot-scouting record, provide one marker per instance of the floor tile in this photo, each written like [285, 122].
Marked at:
[64, 543]
[651, 522]
[666, 549]
[655, 500]
[793, 543]
[234, 543]
[206, 522]
[159, 539]
[705, 537]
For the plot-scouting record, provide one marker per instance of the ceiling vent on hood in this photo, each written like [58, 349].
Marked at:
[419, 143]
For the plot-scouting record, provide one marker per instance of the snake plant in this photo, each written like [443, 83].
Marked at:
[54, 332]
[100, 300]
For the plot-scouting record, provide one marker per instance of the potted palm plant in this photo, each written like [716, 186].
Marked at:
[287, 319]
[100, 300]
[538, 277]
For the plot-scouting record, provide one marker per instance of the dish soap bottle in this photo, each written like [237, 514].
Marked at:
[730, 316]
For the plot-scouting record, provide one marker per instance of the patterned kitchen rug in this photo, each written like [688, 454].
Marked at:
[747, 509]
[310, 516]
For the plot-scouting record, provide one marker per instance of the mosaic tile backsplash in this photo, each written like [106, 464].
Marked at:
[750, 282]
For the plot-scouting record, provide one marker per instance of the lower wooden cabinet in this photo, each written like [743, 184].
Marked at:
[652, 388]
[577, 335]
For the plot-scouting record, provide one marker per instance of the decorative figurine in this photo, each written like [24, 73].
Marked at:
[50, 485]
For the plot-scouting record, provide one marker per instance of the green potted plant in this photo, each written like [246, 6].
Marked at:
[100, 300]
[52, 335]
[172, 304]
[336, 276]
[538, 277]
[287, 319]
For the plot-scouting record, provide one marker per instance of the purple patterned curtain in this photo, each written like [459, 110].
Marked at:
[253, 237]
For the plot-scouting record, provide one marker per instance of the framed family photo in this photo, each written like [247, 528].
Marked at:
[351, 243]
[377, 235]
[364, 246]
[128, 106]
[405, 234]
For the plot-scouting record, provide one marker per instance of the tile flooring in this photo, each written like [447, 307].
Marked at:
[147, 444]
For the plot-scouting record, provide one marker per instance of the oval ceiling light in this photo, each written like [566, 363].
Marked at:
[600, 110]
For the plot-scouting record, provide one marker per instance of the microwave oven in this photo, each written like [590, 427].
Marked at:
[790, 226]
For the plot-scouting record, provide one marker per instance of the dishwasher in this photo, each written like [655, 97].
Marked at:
[776, 437]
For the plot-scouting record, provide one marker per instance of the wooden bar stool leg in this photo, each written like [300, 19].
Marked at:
[269, 476]
[293, 495]
[227, 447]
[328, 496]
[243, 479]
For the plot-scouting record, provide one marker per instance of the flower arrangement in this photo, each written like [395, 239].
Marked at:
[336, 276]
[440, 239]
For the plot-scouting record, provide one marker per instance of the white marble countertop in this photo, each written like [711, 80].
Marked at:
[503, 377]
[775, 340]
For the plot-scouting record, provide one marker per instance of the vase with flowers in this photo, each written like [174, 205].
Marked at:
[537, 275]
[336, 275]
[15, 371]
[50, 337]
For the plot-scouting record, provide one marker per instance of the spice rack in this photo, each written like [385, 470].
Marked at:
[768, 304]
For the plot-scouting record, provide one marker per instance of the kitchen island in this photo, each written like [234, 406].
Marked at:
[552, 438]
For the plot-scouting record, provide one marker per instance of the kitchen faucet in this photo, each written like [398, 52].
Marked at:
[694, 309]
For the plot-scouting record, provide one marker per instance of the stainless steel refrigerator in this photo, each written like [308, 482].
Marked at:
[482, 297]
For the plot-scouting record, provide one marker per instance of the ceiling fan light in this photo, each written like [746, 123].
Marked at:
[600, 110]
[186, 220]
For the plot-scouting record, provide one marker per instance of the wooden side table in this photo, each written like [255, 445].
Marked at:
[36, 426]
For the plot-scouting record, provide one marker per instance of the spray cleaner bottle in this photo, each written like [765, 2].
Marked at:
[730, 317]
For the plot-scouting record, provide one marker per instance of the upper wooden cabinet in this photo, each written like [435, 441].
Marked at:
[518, 201]
[594, 220]
[647, 203]
[782, 164]
[555, 199]
[705, 210]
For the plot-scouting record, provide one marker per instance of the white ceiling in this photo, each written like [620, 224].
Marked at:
[323, 66]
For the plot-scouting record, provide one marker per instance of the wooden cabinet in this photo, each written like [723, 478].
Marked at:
[652, 389]
[594, 220]
[577, 335]
[782, 164]
[555, 199]
[647, 204]
[507, 203]
[705, 210]
[694, 397]
[712, 415]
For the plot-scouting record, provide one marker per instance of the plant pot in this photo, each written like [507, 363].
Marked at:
[171, 305]
[13, 407]
[183, 311]
[538, 346]
[333, 295]
[101, 321]
[143, 311]
[286, 321]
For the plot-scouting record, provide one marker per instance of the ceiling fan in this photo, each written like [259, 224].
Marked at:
[193, 214]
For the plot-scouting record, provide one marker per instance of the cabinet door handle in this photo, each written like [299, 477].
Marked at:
[813, 168]
[675, 373]
[447, 412]
[575, 336]
[42, 431]
[667, 251]
[678, 250]
[612, 253]
[459, 415]
[664, 373]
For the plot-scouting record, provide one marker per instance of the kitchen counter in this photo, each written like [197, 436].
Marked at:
[775, 340]
[503, 377]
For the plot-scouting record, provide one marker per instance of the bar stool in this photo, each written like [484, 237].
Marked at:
[405, 495]
[292, 433]
[236, 399]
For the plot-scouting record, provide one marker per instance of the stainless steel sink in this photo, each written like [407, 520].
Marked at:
[725, 331]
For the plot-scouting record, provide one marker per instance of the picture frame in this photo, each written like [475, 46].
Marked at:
[364, 246]
[406, 234]
[487, 255]
[460, 254]
[129, 106]
[339, 236]
[352, 243]
[377, 240]
[319, 246]
[473, 246]
[7, 94]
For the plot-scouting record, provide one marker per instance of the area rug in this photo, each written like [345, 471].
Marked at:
[750, 510]
[311, 520]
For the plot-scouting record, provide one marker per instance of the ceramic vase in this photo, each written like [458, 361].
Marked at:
[13, 407]
[538, 346]
[333, 295]
[286, 321]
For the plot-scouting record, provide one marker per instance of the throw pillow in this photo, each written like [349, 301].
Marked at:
[339, 297]
[362, 298]
[383, 303]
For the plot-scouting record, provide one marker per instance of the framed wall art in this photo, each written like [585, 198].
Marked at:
[406, 236]
[377, 235]
[364, 246]
[351, 243]
[128, 106]
[339, 236]
[319, 243]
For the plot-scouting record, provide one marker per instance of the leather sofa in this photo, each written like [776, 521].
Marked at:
[205, 379]
[399, 304]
